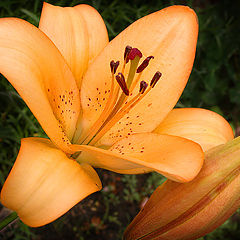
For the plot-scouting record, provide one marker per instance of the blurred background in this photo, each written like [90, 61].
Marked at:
[214, 84]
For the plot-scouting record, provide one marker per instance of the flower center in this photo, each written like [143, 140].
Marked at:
[117, 106]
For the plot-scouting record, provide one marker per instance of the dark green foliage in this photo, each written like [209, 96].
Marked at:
[214, 84]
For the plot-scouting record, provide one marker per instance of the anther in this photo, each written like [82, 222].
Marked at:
[133, 53]
[143, 87]
[144, 64]
[155, 79]
[127, 51]
[114, 66]
[122, 83]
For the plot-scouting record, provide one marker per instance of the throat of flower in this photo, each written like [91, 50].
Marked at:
[116, 107]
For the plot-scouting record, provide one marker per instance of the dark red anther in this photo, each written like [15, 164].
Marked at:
[114, 66]
[127, 51]
[144, 64]
[143, 87]
[155, 79]
[122, 83]
[133, 53]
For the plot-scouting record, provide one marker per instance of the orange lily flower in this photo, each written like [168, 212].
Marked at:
[94, 114]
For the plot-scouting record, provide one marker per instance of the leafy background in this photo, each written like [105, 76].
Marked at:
[214, 84]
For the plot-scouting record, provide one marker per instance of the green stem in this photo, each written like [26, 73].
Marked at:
[9, 219]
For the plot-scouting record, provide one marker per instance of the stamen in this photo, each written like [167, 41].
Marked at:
[143, 87]
[122, 83]
[144, 64]
[140, 69]
[114, 66]
[115, 108]
[134, 83]
[125, 109]
[104, 115]
[135, 56]
[155, 79]
[107, 109]
[127, 51]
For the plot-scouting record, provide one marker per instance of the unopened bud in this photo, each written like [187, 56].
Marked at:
[178, 211]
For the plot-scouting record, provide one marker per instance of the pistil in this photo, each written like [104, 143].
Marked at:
[135, 56]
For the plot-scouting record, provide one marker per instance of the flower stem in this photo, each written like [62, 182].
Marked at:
[9, 219]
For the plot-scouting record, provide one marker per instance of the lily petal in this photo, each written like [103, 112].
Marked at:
[205, 127]
[78, 32]
[44, 183]
[96, 28]
[34, 66]
[176, 158]
[170, 35]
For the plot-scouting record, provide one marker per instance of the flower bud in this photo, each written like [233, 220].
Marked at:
[191, 210]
